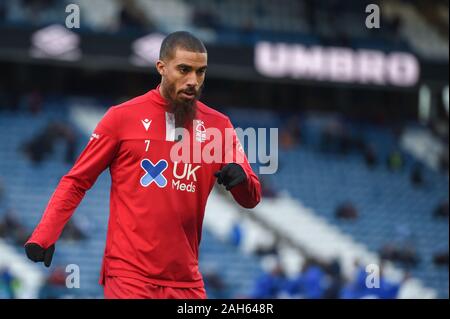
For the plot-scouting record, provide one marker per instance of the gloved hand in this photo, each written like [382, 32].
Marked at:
[36, 253]
[231, 175]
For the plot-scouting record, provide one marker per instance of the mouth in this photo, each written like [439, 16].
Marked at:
[188, 94]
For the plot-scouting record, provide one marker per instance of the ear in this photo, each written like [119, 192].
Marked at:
[160, 67]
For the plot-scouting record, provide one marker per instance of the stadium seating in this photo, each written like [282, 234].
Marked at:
[386, 200]
[30, 187]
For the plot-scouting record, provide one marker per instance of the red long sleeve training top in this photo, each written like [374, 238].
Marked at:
[156, 205]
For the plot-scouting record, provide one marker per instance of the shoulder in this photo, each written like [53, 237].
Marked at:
[129, 104]
[119, 113]
[115, 115]
[212, 114]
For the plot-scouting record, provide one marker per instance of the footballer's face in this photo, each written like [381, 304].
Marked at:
[182, 75]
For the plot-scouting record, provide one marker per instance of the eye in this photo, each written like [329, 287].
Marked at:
[183, 70]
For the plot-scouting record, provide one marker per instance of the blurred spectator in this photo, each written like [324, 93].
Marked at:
[247, 28]
[131, 16]
[290, 136]
[442, 210]
[266, 188]
[236, 234]
[4, 202]
[43, 143]
[407, 256]
[269, 250]
[395, 161]
[34, 9]
[270, 284]
[261, 10]
[335, 281]
[441, 258]
[287, 141]
[55, 285]
[416, 177]
[12, 228]
[214, 284]
[370, 156]
[336, 138]
[347, 211]
[7, 283]
[392, 26]
[35, 102]
[387, 289]
[72, 232]
[331, 135]
[38, 4]
[310, 12]
[310, 283]
[444, 162]
[401, 248]
[357, 288]
[57, 277]
[2, 11]
[342, 38]
[204, 18]
[2, 194]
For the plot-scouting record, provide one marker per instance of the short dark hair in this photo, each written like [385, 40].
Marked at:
[180, 40]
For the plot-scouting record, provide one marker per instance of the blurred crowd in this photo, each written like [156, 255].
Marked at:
[318, 280]
[314, 280]
[130, 15]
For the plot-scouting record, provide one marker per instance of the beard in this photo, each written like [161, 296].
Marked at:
[184, 110]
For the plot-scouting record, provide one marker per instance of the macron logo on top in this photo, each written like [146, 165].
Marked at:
[146, 123]
[94, 136]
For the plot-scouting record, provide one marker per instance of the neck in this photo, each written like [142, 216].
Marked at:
[161, 91]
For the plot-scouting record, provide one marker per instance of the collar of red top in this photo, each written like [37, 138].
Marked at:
[157, 97]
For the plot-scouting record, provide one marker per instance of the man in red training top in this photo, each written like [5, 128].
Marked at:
[157, 203]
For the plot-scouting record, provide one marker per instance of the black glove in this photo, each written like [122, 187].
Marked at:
[36, 253]
[231, 175]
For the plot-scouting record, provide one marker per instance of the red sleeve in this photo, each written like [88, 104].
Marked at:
[95, 158]
[247, 194]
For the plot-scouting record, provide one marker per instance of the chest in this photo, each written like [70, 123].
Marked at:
[151, 149]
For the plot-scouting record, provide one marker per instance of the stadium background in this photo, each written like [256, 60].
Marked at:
[363, 148]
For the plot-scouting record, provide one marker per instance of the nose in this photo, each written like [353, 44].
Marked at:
[192, 80]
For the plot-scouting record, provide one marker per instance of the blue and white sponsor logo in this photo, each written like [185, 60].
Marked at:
[154, 173]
